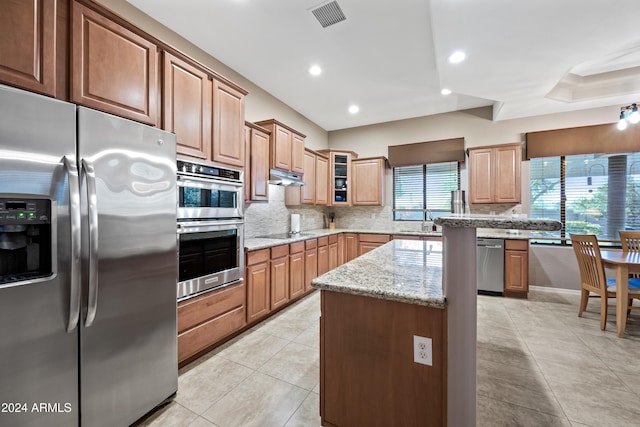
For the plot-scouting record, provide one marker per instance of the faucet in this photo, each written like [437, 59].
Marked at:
[426, 227]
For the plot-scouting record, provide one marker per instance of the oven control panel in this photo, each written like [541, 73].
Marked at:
[205, 171]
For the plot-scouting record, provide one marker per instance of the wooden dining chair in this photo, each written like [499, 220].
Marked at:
[592, 277]
[630, 241]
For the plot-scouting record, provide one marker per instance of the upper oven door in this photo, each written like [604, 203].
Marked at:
[205, 198]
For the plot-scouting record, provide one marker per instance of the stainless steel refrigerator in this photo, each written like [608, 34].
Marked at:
[88, 265]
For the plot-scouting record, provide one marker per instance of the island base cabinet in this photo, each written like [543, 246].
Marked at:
[367, 373]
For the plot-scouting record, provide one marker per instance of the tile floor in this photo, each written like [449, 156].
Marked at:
[538, 365]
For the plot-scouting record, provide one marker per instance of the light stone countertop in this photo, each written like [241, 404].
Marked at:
[255, 243]
[408, 271]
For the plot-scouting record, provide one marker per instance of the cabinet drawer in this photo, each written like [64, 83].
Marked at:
[279, 251]
[311, 244]
[256, 257]
[207, 306]
[296, 247]
[333, 238]
[207, 334]
[516, 245]
[375, 238]
[323, 241]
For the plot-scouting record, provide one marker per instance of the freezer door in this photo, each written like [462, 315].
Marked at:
[38, 357]
[128, 338]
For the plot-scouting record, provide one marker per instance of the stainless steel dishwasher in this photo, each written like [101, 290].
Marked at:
[490, 266]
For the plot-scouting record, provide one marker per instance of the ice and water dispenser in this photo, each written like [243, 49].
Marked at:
[25, 239]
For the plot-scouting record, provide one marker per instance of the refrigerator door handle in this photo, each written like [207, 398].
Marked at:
[75, 291]
[92, 305]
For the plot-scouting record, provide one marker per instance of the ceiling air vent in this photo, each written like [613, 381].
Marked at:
[329, 14]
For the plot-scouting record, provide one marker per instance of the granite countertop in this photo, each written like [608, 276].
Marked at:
[255, 243]
[500, 222]
[408, 271]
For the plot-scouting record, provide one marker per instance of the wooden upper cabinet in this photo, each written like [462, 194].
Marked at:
[186, 100]
[297, 153]
[507, 174]
[286, 147]
[256, 163]
[309, 190]
[494, 174]
[368, 181]
[228, 125]
[28, 45]
[322, 180]
[112, 68]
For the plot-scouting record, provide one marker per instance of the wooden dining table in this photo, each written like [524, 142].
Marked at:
[623, 263]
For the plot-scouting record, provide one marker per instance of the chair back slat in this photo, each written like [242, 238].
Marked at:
[630, 240]
[589, 260]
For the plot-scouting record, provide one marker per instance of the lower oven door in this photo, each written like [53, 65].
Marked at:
[211, 255]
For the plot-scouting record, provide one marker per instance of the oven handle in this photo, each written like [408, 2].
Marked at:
[182, 180]
[201, 226]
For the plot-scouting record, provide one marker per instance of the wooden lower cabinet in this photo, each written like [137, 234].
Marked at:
[296, 270]
[279, 276]
[350, 246]
[310, 263]
[258, 279]
[206, 319]
[516, 268]
[368, 242]
[341, 249]
[367, 373]
[333, 251]
[323, 255]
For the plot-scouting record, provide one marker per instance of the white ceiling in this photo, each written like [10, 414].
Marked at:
[524, 57]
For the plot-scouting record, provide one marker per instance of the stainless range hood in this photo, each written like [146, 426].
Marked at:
[286, 179]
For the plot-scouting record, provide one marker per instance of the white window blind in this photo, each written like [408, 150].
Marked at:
[418, 190]
[590, 193]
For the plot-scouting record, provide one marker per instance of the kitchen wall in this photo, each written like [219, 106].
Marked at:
[549, 266]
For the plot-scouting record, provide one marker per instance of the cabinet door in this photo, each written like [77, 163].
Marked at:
[28, 45]
[310, 267]
[516, 271]
[281, 148]
[507, 174]
[297, 154]
[228, 123]
[296, 275]
[309, 178]
[258, 291]
[368, 182]
[481, 175]
[333, 256]
[247, 163]
[186, 100]
[323, 259]
[351, 246]
[113, 69]
[322, 181]
[341, 249]
[279, 281]
[259, 170]
[364, 247]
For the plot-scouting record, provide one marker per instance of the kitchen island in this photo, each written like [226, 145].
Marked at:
[374, 306]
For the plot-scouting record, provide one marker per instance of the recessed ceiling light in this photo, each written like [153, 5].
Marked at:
[315, 70]
[457, 57]
[446, 91]
[354, 109]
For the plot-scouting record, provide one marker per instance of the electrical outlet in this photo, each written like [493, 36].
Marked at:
[422, 350]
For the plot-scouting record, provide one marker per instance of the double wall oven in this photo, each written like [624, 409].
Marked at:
[210, 228]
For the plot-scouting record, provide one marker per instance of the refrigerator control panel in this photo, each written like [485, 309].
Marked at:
[25, 211]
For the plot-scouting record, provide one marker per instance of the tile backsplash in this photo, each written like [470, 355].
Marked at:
[274, 217]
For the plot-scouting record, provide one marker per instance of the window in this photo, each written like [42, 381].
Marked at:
[418, 190]
[589, 193]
